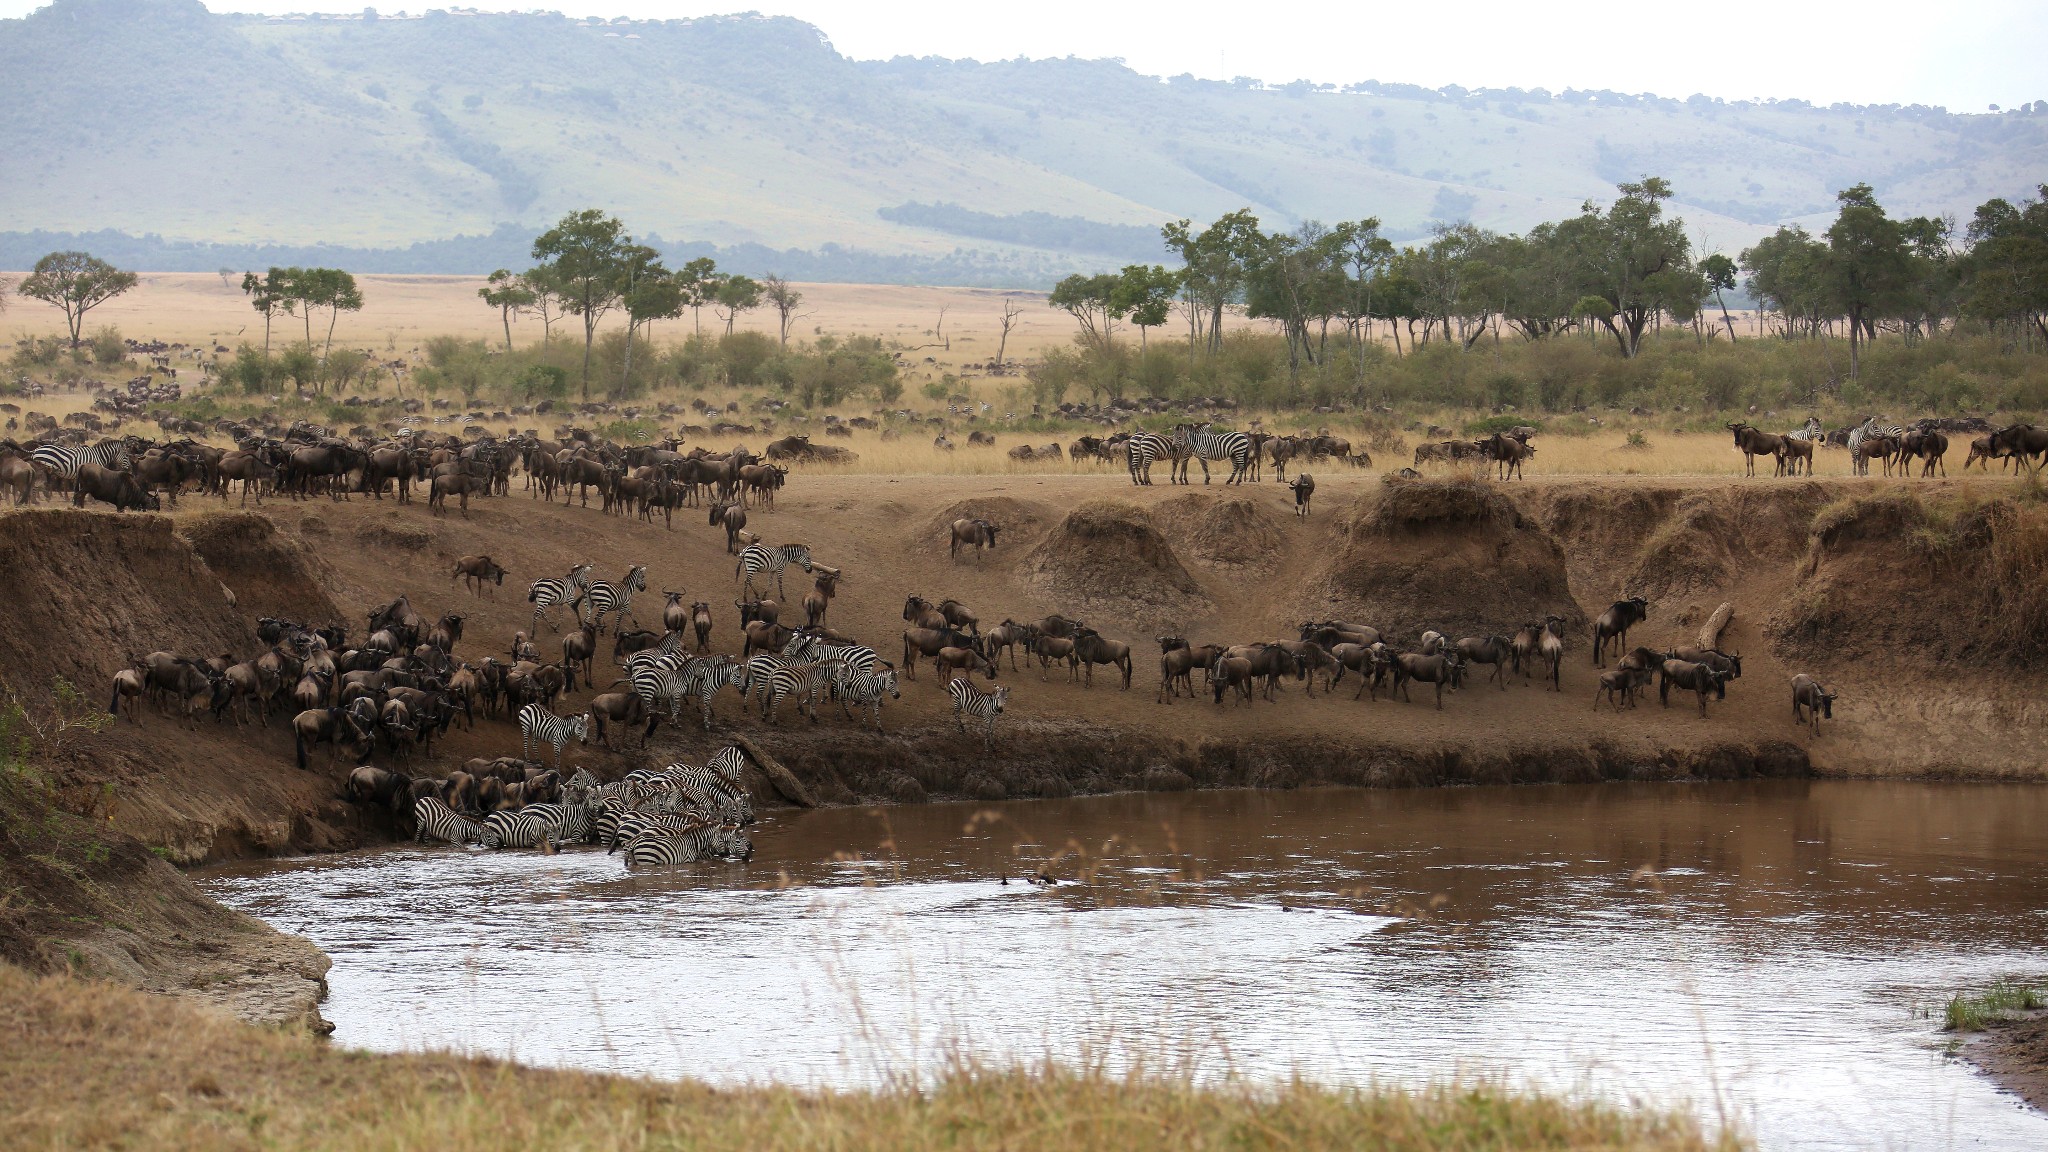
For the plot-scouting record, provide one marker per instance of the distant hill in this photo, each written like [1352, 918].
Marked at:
[436, 143]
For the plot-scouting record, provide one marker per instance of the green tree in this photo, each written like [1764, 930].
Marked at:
[2006, 270]
[734, 295]
[1214, 266]
[76, 282]
[1788, 274]
[510, 294]
[1092, 302]
[266, 295]
[1636, 259]
[582, 258]
[1870, 266]
[698, 280]
[329, 288]
[1719, 273]
[648, 292]
[784, 299]
[1144, 295]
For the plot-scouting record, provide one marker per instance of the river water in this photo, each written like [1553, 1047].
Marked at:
[1773, 953]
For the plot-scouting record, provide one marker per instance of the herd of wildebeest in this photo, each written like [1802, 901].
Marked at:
[390, 693]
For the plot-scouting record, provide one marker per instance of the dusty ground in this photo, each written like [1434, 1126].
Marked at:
[1228, 565]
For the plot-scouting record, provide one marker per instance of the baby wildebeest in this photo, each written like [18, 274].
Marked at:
[1621, 684]
[1810, 701]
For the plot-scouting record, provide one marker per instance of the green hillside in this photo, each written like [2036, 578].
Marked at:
[153, 116]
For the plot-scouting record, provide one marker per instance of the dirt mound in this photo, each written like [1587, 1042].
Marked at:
[1231, 531]
[1453, 555]
[1713, 538]
[395, 534]
[270, 574]
[87, 589]
[1020, 523]
[1889, 578]
[1109, 558]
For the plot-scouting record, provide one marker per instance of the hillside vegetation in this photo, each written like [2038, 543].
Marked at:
[755, 135]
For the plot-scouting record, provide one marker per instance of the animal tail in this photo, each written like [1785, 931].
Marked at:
[299, 746]
[114, 705]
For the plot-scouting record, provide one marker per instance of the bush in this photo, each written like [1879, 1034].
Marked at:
[300, 364]
[37, 351]
[107, 345]
[248, 370]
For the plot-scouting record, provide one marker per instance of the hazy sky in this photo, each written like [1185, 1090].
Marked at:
[1964, 54]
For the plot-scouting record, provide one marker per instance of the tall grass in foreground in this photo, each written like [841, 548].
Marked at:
[98, 1066]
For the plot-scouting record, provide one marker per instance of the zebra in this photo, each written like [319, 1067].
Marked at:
[1141, 450]
[802, 681]
[704, 678]
[434, 820]
[539, 726]
[64, 463]
[615, 600]
[567, 822]
[655, 849]
[713, 788]
[805, 646]
[756, 559]
[865, 689]
[969, 700]
[633, 825]
[1868, 429]
[660, 686]
[1810, 432]
[517, 830]
[731, 764]
[1195, 441]
[548, 592]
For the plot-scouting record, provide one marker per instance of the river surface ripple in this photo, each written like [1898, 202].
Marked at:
[1775, 953]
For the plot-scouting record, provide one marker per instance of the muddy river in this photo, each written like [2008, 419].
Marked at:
[1775, 953]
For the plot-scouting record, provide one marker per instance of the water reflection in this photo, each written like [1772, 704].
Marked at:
[1762, 949]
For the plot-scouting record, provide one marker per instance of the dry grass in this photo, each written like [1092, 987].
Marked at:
[97, 1066]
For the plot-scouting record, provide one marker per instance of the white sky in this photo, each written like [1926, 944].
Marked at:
[1962, 54]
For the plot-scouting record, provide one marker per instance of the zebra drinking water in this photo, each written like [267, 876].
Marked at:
[539, 726]
[433, 820]
[759, 559]
[548, 592]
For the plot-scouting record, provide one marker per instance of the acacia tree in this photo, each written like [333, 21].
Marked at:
[583, 256]
[2006, 271]
[648, 292]
[1091, 301]
[266, 295]
[511, 295]
[1215, 261]
[76, 282]
[698, 281]
[784, 299]
[1635, 259]
[1871, 265]
[734, 295]
[1143, 295]
[332, 289]
[1719, 273]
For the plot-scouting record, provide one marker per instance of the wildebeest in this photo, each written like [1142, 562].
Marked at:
[1811, 702]
[1615, 623]
[819, 599]
[1929, 446]
[1713, 658]
[110, 486]
[1304, 488]
[700, 622]
[1494, 650]
[1688, 676]
[1091, 648]
[1177, 665]
[1794, 453]
[1439, 670]
[2024, 443]
[929, 642]
[477, 571]
[1756, 442]
[128, 686]
[976, 534]
[326, 726]
[733, 517]
[1506, 451]
[1049, 649]
[1232, 672]
[963, 661]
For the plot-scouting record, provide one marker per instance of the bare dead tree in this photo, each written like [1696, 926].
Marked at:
[1012, 316]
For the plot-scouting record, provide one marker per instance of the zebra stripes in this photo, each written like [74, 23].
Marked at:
[802, 681]
[657, 849]
[520, 829]
[434, 820]
[539, 726]
[1810, 432]
[864, 690]
[1141, 450]
[615, 600]
[1195, 441]
[759, 559]
[805, 646]
[547, 592]
[64, 462]
[704, 678]
[971, 701]
[1870, 428]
